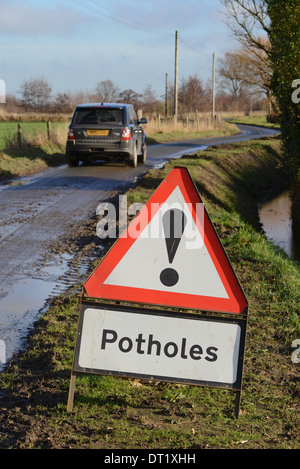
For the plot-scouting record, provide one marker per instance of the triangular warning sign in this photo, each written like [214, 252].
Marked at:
[170, 255]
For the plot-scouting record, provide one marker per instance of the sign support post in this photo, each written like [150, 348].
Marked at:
[71, 391]
[237, 404]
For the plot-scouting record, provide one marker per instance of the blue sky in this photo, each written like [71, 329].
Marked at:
[74, 44]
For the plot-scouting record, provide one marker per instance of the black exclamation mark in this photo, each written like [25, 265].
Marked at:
[174, 222]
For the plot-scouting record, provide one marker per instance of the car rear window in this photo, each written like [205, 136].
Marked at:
[98, 116]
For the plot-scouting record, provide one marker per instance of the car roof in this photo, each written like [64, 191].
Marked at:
[116, 105]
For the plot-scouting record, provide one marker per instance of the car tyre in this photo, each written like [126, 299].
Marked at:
[143, 155]
[134, 157]
[72, 159]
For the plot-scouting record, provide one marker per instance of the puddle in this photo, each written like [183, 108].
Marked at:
[19, 310]
[161, 163]
[26, 302]
[276, 218]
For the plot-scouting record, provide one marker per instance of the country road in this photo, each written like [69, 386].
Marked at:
[39, 213]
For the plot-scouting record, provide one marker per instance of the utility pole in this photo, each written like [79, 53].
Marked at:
[166, 97]
[213, 87]
[176, 77]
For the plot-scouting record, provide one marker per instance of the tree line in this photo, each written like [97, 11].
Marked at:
[35, 95]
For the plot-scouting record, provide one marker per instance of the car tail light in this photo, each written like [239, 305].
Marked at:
[126, 134]
[71, 134]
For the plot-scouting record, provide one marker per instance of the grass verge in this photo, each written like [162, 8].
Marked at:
[116, 413]
[254, 120]
[30, 160]
[169, 133]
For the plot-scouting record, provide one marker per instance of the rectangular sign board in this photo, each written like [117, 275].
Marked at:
[150, 344]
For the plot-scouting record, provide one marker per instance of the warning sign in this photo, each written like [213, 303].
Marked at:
[170, 255]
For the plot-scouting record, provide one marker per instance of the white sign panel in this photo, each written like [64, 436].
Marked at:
[2, 92]
[159, 345]
[148, 257]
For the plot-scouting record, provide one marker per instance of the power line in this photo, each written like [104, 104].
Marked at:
[101, 10]
[120, 18]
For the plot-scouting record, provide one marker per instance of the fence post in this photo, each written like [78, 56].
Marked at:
[49, 129]
[158, 121]
[19, 135]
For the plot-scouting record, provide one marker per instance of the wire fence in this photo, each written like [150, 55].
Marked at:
[17, 132]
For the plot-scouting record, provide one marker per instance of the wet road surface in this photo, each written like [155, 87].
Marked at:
[37, 213]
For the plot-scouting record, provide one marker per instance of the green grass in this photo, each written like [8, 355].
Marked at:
[254, 120]
[166, 135]
[8, 130]
[36, 151]
[116, 413]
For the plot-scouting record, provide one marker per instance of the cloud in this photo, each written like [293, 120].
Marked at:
[18, 18]
[154, 16]
[76, 43]
[170, 14]
[127, 65]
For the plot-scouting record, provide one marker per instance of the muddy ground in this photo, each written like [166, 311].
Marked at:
[32, 389]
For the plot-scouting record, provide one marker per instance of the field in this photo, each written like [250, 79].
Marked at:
[31, 131]
[114, 413]
[35, 132]
[34, 152]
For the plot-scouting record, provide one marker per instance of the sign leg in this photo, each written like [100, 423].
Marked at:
[237, 404]
[71, 392]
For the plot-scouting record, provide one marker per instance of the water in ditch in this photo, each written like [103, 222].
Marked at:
[276, 218]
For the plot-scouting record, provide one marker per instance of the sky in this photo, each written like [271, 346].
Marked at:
[75, 44]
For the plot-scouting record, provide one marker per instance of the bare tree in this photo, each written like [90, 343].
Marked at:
[131, 97]
[35, 94]
[150, 101]
[80, 97]
[232, 73]
[106, 91]
[259, 71]
[244, 68]
[192, 95]
[62, 103]
[247, 20]
[250, 24]
[13, 104]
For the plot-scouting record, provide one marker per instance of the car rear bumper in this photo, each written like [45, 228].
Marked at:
[94, 147]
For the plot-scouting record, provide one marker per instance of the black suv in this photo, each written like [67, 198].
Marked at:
[106, 131]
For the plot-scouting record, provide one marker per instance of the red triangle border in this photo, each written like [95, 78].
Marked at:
[236, 303]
